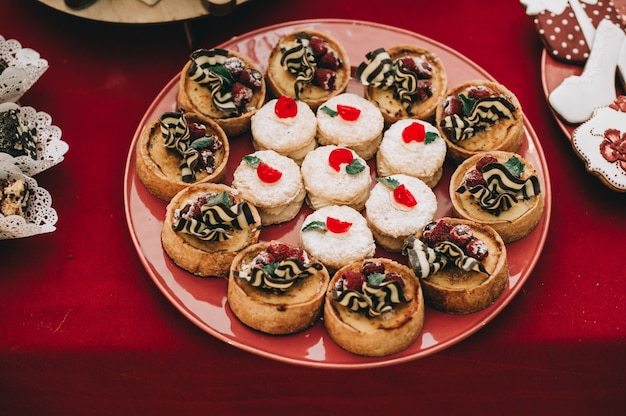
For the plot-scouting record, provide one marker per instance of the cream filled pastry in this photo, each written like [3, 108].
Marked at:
[478, 116]
[405, 81]
[224, 85]
[286, 126]
[308, 65]
[350, 121]
[337, 235]
[412, 147]
[179, 149]
[499, 189]
[399, 206]
[273, 183]
[206, 225]
[277, 288]
[336, 176]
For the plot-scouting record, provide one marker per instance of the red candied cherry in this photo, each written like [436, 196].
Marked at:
[353, 280]
[347, 112]
[403, 196]
[461, 234]
[436, 232]
[477, 249]
[286, 107]
[337, 226]
[474, 178]
[340, 156]
[414, 132]
[371, 267]
[268, 174]
[485, 160]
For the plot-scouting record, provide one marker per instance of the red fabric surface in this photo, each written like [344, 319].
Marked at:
[83, 330]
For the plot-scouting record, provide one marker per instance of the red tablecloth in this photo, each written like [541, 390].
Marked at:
[84, 330]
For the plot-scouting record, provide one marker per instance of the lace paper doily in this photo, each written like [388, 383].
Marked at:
[25, 66]
[39, 217]
[50, 147]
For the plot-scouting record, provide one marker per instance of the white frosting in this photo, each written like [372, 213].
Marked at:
[367, 127]
[283, 135]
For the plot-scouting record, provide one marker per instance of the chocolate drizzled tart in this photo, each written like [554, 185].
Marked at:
[308, 65]
[405, 81]
[224, 85]
[206, 225]
[276, 288]
[180, 149]
[374, 307]
[478, 116]
[462, 265]
[499, 189]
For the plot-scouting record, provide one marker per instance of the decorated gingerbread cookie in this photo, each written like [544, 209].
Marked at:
[567, 27]
[601, 143]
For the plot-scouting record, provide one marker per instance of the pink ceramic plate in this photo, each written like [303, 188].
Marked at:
[203, 301]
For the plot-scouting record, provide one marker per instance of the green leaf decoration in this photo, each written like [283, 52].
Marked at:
[389, 182]
[468, 103]
[329, 111]
[269, 268]
[431, 136]
[315, 226]
[221, 198]
[225, 75]
[355, 167]
[252, 161]
[515, 166]
[202, 143]
[375, 279]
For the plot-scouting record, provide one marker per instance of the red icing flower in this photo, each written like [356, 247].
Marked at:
[286, 107]
[414, 132]
[613, 147]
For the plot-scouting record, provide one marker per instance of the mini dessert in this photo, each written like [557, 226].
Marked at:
[273, 183]
[336, 176]
[350, 121]
[337, 235]
[285, 125]
[499, 189]
[374, 307]
[601, 144]
[206, 225]
[479, 115]
[399, 206]
[180, 149]
[462, 265]
[16, 137]
[405, 81]
[223, 85]
[309, 66]
[14, 194]
[276, 288]
[412, 147]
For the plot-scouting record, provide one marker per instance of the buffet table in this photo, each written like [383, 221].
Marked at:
[84, 329]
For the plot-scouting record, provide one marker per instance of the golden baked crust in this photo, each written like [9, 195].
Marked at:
[194, 97]
[276, 312]
[391, 107]
[205, 258]
[513, 224]
[455, 291]
[505, 134]
[386, 334]
[281, 82]
[159, 168]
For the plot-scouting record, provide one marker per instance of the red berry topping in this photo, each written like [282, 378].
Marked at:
[196, 130]
[278, 251]
[330, 60]
[436, 232]
[353, 280]
[477, 248]
[414, 132]
[241, 94]
[485, 160]
[337, 226]
[394, 277]
[268, 174]
[347, 112]
[340, 156]
[461, 234]
[478, 92]
[474, 178]
[408, 63]
[286, 107]
[251, 78]
[318, 46]
[371, 267]
[403, 196]
[325, 78]
[453, 105]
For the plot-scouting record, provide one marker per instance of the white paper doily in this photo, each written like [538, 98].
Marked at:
[39, 217]
[50, 148]
[25, 66]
